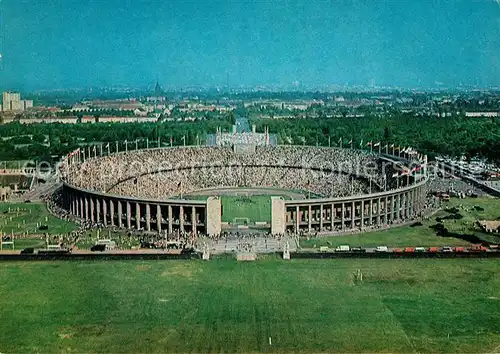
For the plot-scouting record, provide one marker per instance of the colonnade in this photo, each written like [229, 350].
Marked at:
[353, 213]
[169, 216]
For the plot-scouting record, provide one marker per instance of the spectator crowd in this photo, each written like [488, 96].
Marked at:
[164, 173]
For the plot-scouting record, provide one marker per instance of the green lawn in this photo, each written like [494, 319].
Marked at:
[255, 208]
[421, 305]
[423, 235]
[23, 217]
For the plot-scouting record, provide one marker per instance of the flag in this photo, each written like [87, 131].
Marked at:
[392, 145]
[340, 140]
[107, 145]
[395, 174]
[369, 143]
[376, 144]
[350, 141]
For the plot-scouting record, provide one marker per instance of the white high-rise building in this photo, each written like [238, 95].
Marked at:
[12, 102]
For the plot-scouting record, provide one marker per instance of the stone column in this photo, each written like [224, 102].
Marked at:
[170, 217]
[391, 209]
[181, 218]
[86, 201]
[398, 207]
[112, 212]
[353, 213]
[409, 208]
[158, 217]
[91, 209]
[309, 218]
[378, 211]
[120, 212]
[321, 217]
[342, 212]
[404, 214]
[297, 220]
[148, 218]
[98, 209]
[194, 222]
[362, 214]
[371, 212]
[137, 216]
[80, 207]
[104, 212]
[332, 217]
[129, 215]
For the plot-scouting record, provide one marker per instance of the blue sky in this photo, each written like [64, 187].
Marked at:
[48, 44]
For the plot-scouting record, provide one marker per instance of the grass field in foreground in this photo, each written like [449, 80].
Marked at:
[421, 305]
[423, 235]
[26, 219]
[255, 208]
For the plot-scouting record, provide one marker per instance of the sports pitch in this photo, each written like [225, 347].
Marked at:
[255, 208]
[424, 305]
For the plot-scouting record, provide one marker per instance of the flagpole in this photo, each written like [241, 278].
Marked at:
[100, 149]
[117, 146]
[329, 141]
[109, 153]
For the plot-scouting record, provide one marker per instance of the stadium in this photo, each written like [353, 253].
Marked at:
[244, 181]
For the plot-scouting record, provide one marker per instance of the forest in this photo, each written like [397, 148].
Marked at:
[451, 136]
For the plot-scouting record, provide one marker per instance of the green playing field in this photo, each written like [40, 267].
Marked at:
[255, 208]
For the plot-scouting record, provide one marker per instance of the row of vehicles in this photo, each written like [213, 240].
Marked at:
[474, 248]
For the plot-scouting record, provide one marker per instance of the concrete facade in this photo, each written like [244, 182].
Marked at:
[277, 215]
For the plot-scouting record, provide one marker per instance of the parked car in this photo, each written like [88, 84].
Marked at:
[382, 249]
[343, 248]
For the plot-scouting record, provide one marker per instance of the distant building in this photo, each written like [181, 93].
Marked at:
[12, 102]
[482, 114]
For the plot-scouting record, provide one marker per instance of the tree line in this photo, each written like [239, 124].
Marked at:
[455, 137]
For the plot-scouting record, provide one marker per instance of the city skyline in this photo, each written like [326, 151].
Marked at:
[287, 44]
